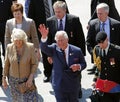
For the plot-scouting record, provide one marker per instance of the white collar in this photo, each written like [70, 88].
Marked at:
[106, 22]
[63, 19]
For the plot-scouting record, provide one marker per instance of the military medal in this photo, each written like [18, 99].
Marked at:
[71, 34]
[112, 61]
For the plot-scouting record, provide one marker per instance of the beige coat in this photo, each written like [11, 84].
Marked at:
[28, 62]
[28, 26]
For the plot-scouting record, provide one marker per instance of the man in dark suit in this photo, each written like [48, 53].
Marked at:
[70, 23]
[68, 62]
[113, 11]
[5, 9]
[109, 70]
[111, 27]
[37, 13]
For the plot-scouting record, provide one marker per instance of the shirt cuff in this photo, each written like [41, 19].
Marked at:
[44, 40]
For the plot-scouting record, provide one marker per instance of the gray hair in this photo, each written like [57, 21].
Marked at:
[60, 4]
[61, 33]
[18, 34]
[104, 6]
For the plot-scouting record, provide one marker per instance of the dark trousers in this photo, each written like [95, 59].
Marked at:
[66, 96]
[110, 97]
[46, 65]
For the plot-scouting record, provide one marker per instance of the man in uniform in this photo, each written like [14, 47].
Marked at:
[109, 68]
[103, 22]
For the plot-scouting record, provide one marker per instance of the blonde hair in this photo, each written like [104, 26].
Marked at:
[17, 7]
[18, 34]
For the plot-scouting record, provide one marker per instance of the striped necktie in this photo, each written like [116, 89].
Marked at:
[60, 25]
[103, 27]
[47, 9]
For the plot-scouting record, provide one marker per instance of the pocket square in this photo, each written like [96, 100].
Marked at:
[76, 60]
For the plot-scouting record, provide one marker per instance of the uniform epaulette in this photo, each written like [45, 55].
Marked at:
[116, 46]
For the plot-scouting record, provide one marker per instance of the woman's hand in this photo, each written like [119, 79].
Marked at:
[29, 82]
[4, 83]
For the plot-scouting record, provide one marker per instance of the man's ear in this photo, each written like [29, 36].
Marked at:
[107, 39]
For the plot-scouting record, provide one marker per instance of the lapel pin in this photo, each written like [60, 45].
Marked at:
[112, 28]
[71, 34]
[71, 54]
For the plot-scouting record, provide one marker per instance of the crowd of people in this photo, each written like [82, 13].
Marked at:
[50, 32]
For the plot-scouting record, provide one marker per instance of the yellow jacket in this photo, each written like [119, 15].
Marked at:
[28, 62]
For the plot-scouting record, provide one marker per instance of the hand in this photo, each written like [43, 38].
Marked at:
[4, 83]
[93, 85]
[75, 67]
[29, 82]
[50, 60]
[43, 30]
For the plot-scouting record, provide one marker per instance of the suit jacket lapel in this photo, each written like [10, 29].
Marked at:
[14, 23]
[98, 26]
[14, 53]
[68, 22]
[111, 31]
[23, 24]
[109, 50]
[55, 24]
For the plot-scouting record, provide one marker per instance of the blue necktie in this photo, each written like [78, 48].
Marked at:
[103, 27]
[61, 25]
